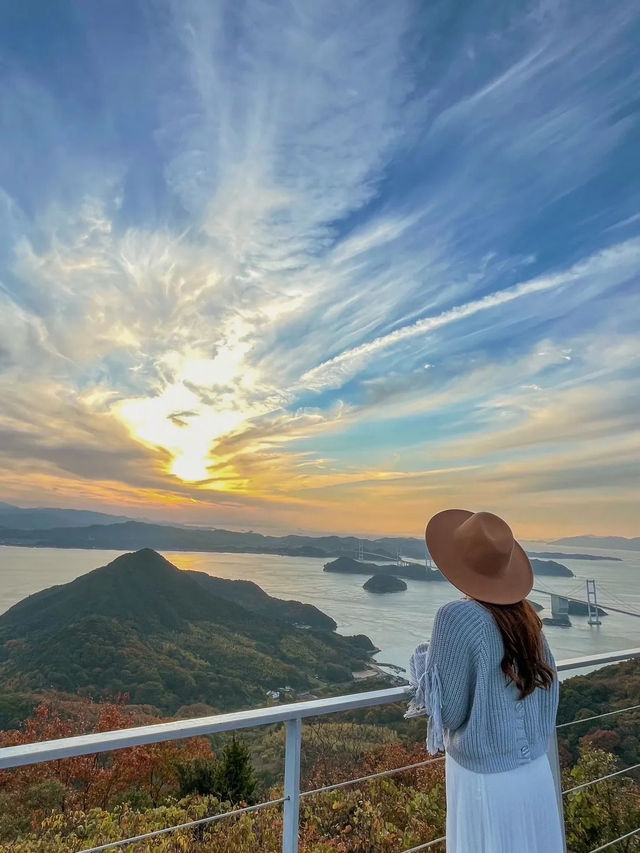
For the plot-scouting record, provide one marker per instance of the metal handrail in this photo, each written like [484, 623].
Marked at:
[597, 660]
[601, 779]
[615, 841]
[597, 717]
[292, 715]
[70, 747]
[368, 778]
[426, 845]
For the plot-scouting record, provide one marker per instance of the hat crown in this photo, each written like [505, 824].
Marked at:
[485, 543]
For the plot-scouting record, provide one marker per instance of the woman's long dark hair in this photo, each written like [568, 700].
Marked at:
[524, 660]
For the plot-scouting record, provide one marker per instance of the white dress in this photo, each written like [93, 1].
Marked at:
[511, 812]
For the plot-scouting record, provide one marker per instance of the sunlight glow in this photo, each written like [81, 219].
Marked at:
[185, 423]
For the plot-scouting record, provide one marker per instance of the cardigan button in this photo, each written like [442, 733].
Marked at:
[525, 750]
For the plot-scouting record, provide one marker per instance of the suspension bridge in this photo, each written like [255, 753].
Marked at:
[591, 602]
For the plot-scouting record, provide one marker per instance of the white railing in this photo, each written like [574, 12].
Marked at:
[291, 715]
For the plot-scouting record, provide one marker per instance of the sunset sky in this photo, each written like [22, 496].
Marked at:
[292, 265]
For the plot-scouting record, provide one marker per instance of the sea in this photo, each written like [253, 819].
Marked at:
[395, 622]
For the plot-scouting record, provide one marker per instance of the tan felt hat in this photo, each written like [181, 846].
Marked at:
[477, 553]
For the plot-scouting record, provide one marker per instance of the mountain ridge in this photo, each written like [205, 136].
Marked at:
[43, 517]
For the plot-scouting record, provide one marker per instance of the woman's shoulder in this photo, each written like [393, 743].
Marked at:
[464, 612]
[463, 608]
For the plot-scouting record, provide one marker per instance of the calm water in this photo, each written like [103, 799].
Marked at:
[395, 623]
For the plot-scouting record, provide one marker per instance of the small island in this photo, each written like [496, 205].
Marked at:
[384, 583]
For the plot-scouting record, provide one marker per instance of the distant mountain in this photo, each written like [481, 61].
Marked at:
[619, 543]
[142, 627]
[554, 555]
[42, 518]
[134, 535]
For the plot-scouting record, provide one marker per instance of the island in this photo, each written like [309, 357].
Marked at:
[560, 555]
[349, 566]
[551, 569]
[384, 583]
[418, 572]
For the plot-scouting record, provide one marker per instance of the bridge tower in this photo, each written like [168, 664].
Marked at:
[428, 562]
[360, 550]
[592, 604]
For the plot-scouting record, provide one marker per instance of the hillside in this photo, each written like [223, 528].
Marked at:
[250, 596]
[140, 626]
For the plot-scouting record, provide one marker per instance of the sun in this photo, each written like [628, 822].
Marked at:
[177, 421]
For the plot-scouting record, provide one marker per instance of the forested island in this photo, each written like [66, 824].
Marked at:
[413, 571]
[381, 584]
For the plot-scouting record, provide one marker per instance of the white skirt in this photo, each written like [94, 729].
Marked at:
[511, 812]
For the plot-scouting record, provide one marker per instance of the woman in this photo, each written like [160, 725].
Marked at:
[487, 681]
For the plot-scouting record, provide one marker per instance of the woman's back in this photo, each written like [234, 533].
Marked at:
[482, 722]
[488, 683]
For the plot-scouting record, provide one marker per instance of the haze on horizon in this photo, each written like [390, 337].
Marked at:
[322, 267]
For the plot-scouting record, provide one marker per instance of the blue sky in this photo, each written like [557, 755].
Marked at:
[337, 266]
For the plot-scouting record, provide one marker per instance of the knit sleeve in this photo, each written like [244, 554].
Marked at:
[446, 673]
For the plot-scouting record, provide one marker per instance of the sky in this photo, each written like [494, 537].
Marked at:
[295, 266]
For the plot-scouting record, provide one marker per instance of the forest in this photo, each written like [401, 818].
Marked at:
[82, 802]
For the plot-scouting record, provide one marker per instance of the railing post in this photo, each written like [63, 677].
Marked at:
[554, 761]
[291, 807]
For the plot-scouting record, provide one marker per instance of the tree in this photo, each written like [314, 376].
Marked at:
[198, 777]
[236, 779]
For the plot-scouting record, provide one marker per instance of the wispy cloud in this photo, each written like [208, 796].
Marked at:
[621, 262]
[233, 236]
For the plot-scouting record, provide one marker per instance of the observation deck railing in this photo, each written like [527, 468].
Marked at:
[292, 716]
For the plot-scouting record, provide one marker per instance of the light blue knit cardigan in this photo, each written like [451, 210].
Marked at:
[474, 711]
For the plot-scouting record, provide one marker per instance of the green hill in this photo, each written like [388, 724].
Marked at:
[140, 626]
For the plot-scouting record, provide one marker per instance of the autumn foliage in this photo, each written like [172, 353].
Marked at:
[144, 774]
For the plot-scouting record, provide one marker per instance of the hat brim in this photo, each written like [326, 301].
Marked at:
[512, 584]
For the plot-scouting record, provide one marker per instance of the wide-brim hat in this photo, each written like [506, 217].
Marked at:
[477, 553]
